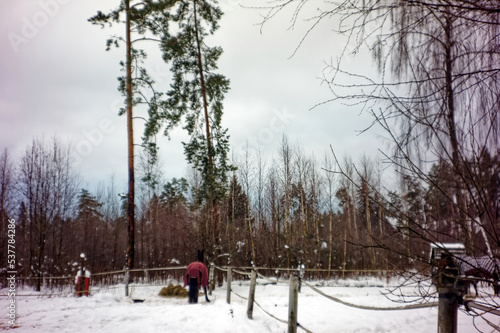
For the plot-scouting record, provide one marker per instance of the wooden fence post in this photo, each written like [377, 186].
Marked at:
[126, 281]
[293, 298]
[302, 273]
[211, 278]
[228, 286]
[251, 295]
[447, 310]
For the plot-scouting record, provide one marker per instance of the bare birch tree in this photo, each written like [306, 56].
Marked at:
[47, 184]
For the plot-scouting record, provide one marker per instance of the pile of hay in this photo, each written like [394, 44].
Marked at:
[174, 291]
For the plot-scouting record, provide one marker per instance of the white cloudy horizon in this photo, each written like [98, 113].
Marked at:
[58, 80]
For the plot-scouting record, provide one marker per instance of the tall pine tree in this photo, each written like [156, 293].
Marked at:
[195, 98]
[139, 18]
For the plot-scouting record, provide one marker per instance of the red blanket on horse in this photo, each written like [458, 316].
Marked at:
[194, 270]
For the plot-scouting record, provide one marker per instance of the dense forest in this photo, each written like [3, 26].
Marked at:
[277, 212]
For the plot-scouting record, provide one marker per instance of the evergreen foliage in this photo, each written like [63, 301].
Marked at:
[196, 93]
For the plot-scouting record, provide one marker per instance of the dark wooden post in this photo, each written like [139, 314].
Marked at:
[127, 277]
[251, 295]
[228, 286]
[211, 277]
[293, 298]
[81, 284]
[302, 273]
[447, 311]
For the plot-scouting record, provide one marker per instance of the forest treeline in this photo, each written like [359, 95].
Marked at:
[278, 211]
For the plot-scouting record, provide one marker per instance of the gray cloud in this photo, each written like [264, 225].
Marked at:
[59, 80]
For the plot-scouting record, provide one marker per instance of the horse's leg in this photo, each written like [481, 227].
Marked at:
[193, 291]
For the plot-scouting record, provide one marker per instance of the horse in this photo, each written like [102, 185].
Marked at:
[196, 276]
[483, 269]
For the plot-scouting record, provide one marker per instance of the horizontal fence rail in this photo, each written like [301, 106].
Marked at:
[377, 308]
[64, 285]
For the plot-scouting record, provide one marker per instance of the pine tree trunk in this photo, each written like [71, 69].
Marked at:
[130, 135]
[210, 166]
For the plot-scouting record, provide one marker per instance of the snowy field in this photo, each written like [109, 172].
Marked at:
[109, 311]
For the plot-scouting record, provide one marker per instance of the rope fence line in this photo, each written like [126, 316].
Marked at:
[63, 286]
[45, 278]
[145, 270]
[110, 273]
[270, 314]
[280, 320]
[376, 308]
[242, 297]
[496, 327]
[123, 271]
[238, 272]
[241, 272]
[485, 309]
[271, 280]
[364, 307]
[317, 269]
[253, 300]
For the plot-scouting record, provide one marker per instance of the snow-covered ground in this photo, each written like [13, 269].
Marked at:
[107, 310]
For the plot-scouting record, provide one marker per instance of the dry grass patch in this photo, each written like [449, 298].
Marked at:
[174, 291]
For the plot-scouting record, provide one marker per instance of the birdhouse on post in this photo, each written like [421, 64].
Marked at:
[445, 276]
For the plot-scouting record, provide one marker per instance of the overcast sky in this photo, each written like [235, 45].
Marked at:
[57, 79]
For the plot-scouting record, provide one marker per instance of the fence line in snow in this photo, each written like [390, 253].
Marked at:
[251, 298]
[376, 308]
[292, 320]
[105, 281]
[240, 270]
[486, 309]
